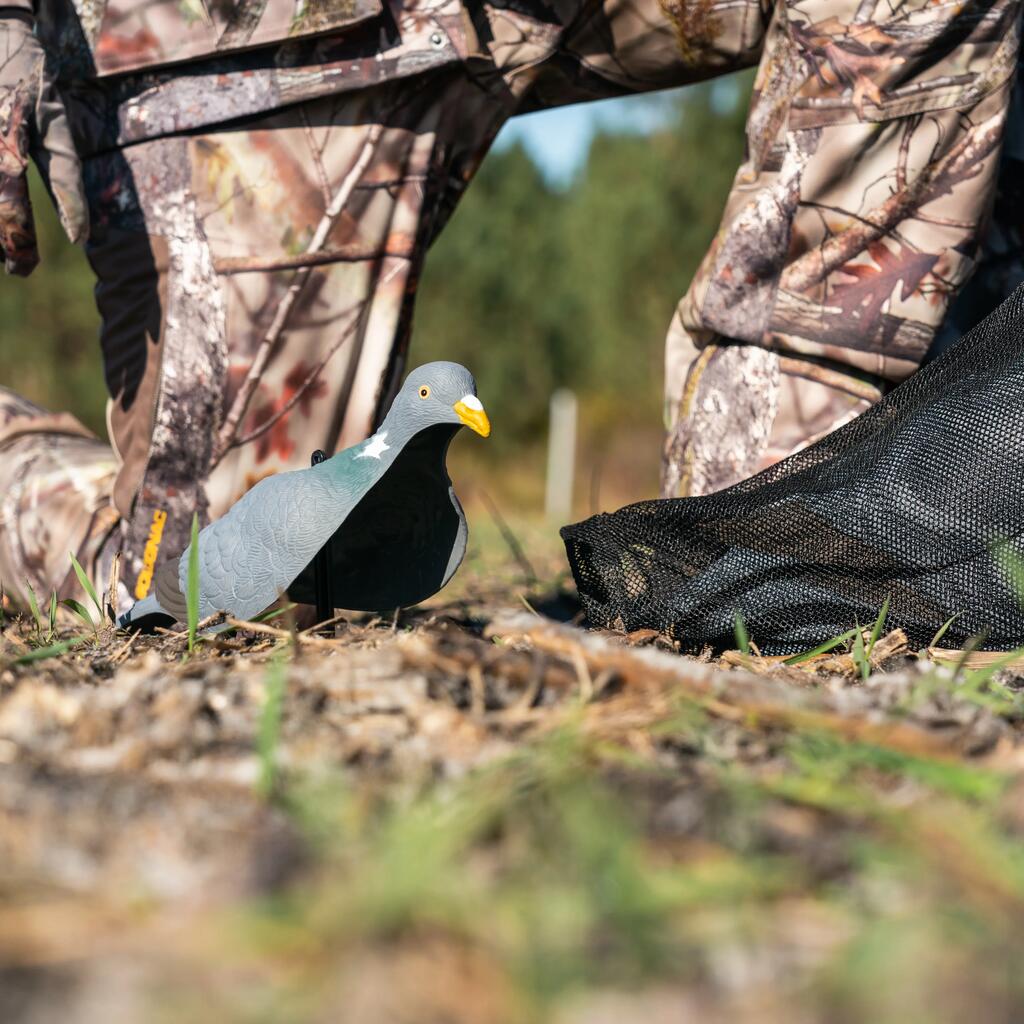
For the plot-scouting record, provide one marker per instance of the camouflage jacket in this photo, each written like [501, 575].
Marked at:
[874, 134]
[111, 37]
[164, 69]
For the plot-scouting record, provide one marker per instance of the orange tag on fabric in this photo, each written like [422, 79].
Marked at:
[152, 549]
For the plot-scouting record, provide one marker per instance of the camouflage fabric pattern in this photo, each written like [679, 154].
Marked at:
[125, 35]
[874, 140]
[526, 54]
[55, 500]
[29, 100]
[746, 407]
[1000, 266]
[260, 216]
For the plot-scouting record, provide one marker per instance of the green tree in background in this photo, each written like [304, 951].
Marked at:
[49, 327]
[494, 294]
[535, 288]
[531, 286]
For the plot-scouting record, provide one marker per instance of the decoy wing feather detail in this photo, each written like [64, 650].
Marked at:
[249, 556]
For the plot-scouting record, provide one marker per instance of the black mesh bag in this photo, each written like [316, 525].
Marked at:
[916, 500]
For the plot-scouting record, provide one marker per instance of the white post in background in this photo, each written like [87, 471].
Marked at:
[561, 456]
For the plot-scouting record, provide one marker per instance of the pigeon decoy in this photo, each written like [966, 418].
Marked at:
[399, 532]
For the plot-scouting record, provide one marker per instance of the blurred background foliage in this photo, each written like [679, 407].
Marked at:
[537, 287]
[533, 284]
[49, 327]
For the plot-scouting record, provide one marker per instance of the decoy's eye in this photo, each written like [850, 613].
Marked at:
[424, 391]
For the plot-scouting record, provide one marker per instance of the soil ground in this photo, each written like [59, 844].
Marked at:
[480, 812]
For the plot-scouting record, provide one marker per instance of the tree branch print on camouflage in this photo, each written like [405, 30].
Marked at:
[962, 162]
[873, 138]
[17, 238]
[32, 115]
[241, 23]
[226, 436]
[132, 36]
[302, 385]
[696, 26]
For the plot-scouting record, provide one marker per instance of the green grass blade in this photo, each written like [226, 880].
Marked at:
[943, 629]
[974, 643]
[824, 648]
[273, 613]
[53, 612]
[742, 636]
[270, 726]
[975, 679]
[80, 610]
[858, 655]
[876, 629]
[87, 586]
[1012, 567]
[192, 597]
[53, 651]
[33, 606]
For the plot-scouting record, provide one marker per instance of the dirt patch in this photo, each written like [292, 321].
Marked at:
[476, 813]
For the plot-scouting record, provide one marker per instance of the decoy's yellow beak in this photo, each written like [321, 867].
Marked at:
[471, 412]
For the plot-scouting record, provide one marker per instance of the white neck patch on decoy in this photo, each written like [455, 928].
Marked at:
[375, 447]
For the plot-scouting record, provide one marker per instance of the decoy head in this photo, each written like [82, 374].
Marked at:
[440, 393]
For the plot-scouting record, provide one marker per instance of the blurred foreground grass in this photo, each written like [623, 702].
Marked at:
[443, 843]
[584, 878]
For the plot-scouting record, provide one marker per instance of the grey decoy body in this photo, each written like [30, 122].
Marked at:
[399, 532]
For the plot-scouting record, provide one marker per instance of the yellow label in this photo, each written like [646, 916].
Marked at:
[152, 549]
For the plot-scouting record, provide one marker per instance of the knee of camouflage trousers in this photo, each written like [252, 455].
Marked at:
[55, 501]
[744, 408]
[859, 213]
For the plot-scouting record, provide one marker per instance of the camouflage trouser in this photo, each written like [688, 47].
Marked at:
[256, 280]
[878, 135]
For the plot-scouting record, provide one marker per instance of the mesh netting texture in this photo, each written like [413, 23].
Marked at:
[914, 501]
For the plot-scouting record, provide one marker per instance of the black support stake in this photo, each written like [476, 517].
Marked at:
[322, 566]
